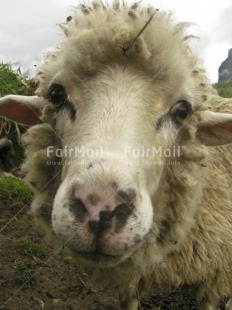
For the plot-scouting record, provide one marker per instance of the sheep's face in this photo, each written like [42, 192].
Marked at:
[117, 127]
[115, 130]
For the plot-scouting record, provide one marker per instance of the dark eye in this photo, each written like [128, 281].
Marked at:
[181, 110]
[56, 95]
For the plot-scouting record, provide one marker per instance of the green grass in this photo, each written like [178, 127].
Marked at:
[12, 188]
[13, 82]
[10, 80]
[224, 89]
[29, 248]
[19, 265]
[26, 274]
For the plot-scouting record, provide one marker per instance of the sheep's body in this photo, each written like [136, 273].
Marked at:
[183, 236]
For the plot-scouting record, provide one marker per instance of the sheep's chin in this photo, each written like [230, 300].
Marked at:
[102, 260]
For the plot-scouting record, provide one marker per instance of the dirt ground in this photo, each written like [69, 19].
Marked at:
[36, 277]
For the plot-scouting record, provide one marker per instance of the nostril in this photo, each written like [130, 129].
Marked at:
[122, 213]
[127, 195]
[78, 207]
[106, 218]
[105, 215]
[124, 208]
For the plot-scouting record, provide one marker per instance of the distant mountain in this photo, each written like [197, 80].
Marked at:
[225, 70]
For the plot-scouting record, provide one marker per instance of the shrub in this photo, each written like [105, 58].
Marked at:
[224, 88]
[12, 188]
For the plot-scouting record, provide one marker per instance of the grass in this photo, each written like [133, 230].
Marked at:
[10, 80]
[13, 82]
[29, 248]
[224, 89]
[26, 250]
[12, 188]
[26, 274]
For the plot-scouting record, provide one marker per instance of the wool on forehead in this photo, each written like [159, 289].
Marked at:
[96, 34]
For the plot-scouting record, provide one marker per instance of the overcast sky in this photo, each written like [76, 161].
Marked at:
[28, 28]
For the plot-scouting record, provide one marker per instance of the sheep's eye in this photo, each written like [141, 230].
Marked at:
[56, 95]
[181, 110]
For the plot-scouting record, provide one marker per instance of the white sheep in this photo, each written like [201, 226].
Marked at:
[130, 158]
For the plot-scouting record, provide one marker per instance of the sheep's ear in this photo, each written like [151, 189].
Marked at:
[214, 128]
[22, 109]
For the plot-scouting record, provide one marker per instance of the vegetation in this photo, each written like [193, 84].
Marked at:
[224, 88]
[10, 80]
[13, 82]
[29, 248]
[21, 248]
[26, 274]
[13, 188]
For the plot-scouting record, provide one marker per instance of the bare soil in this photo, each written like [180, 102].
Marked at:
[56, 282]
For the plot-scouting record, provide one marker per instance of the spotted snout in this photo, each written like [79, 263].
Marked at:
[101, 210]
[102, 215]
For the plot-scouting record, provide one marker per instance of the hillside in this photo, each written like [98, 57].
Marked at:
[224, 88]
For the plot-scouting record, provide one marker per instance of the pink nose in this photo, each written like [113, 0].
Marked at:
[100, 210]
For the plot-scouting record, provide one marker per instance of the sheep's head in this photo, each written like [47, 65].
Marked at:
[111, 125]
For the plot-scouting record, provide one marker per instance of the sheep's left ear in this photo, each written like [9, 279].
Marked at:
[214, 128]
[22, 109]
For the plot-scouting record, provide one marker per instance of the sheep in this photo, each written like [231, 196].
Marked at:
[5, 147]
[129, 155]
[11, 150]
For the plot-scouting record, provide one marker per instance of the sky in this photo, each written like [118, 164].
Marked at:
[28, 28]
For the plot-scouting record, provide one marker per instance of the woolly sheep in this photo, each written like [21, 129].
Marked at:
[5, 147]
[130, 157]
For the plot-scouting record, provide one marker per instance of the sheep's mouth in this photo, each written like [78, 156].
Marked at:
[98, 257]
[104, 259]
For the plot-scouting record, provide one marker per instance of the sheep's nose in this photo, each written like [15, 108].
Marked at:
[99, 212]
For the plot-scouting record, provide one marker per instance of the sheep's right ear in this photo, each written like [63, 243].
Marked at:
[214, 128]
[22, 109]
